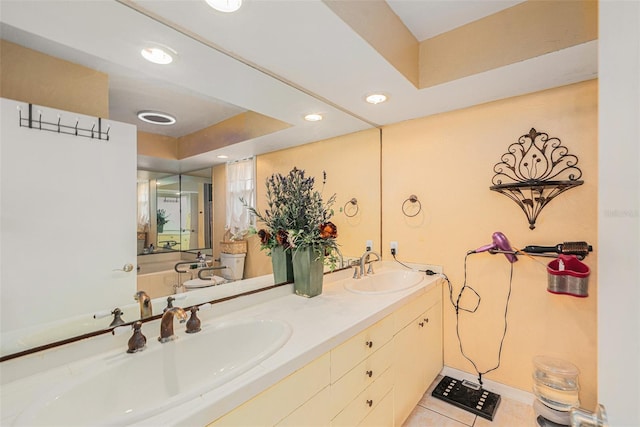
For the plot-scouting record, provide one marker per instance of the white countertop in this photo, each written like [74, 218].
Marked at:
[319, 324]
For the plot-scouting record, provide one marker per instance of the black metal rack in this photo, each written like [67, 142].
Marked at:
[37, 123]
[534, 171]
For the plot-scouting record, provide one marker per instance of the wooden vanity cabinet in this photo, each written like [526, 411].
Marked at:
[375, 378]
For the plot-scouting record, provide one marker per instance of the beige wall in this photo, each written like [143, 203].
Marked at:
[447, 161]
[352, 164]
[30, 76]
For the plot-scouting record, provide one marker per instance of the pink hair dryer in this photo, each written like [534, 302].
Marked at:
[500, 243]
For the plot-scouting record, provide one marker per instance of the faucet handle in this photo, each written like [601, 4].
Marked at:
[137, 341]
[173, 298]
[356, 270]
[370, 268]
[193, 324]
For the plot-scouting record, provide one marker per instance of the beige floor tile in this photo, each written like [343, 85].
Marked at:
[510, 413]
[422, 417]
[447, 409]
[444, 408]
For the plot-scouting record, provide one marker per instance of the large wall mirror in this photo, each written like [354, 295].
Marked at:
[194, 222]
[175, 212]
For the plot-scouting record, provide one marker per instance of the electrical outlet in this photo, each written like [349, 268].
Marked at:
[369, 245]
[394, 248]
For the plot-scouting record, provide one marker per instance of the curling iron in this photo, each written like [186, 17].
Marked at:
[567, 248]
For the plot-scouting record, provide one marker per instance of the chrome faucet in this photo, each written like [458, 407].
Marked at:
[364, 260]
[340, 257]
[146, 308]
[166, 324]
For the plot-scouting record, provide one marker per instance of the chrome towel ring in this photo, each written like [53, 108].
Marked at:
[413, 199]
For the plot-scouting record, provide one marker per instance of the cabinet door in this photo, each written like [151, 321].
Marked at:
[275, 404]
[418, 351]
[407, 349]
[431, 337]
[314, 413]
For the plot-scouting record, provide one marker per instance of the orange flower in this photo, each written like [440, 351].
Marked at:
[328, 230]
[282, 238]
[264, 236]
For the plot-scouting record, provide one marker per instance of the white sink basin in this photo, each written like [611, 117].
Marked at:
[127, 388]
[384, 282]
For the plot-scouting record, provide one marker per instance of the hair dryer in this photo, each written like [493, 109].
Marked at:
[499, 242]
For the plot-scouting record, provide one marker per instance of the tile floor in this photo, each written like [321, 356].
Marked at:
[432, 412]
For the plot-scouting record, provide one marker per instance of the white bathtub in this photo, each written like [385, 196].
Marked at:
[157, 276]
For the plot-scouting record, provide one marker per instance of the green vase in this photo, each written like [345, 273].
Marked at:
[282, 265]
[308, 270]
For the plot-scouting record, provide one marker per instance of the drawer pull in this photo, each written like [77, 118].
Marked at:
[369, 374]
[370, 403]
[421, 324]
[369, 344]
[426, 320]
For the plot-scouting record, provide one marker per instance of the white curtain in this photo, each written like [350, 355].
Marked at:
[143, 205]
[241, 184]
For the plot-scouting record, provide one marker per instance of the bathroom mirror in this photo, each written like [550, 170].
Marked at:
[37, 31]
[174, 212]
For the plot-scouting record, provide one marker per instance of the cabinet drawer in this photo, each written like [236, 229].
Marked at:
[381, 415]
[359, 408]
[413, 309]
[361, 346]
[360, 377]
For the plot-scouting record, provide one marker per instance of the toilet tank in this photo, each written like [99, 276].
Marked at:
[234, 264]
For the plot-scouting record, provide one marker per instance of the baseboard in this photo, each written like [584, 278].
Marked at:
[496, 387]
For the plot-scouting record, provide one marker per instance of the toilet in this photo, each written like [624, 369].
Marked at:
[234, 264]
[195, 284]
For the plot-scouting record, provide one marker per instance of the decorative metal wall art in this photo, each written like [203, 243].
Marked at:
[534, 171]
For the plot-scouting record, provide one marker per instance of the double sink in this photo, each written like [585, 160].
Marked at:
[122, 389]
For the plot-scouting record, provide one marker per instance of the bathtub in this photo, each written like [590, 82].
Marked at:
[157, 276]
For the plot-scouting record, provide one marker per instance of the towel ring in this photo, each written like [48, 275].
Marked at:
[353, 202]
[413, 199]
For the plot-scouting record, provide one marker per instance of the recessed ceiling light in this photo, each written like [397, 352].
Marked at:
[157, 55]
[156, 118]
[315, 117]
[225, 5]
[376, 98]
[223, 156]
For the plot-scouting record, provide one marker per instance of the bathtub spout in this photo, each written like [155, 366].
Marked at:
[146, 309]
[166, 324]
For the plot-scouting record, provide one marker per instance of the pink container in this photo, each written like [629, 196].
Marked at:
[568, 275]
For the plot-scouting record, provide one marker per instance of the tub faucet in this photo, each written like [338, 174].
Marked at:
[364, 260]
[166, 324]
[146, 309]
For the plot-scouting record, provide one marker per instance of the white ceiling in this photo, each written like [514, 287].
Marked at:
[283, 59]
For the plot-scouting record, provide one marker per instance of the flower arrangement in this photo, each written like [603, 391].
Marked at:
[297, 216]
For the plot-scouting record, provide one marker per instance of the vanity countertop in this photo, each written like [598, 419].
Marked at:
[318, 325]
